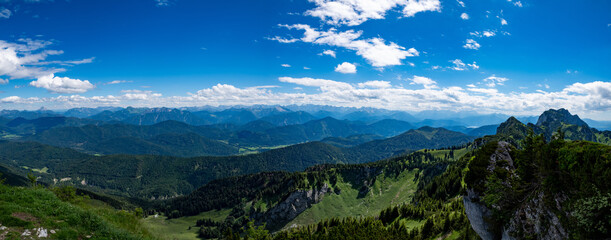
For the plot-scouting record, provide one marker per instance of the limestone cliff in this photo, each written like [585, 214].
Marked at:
[293, 205]
[531, 218]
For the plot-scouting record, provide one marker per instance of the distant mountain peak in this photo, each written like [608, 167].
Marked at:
[553, 117]
[512, 127]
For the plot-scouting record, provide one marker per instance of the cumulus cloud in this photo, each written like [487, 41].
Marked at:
[464, 16]
[17, 99]
[62, 84]
[16, 59]
[374, 50]
[328, 53]
[424, 81]
[139, 95]
[503, 21]
[26, 59]
[518, 4]
[493, 80]
[286, 65]
[471, 44]
[5, 13]
[323, 84]
[459, 65]
[591, 98]
[485, 33]
[355, 12]
[346, 67]
[374, 84]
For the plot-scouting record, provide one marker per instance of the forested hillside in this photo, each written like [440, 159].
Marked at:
[317, 190]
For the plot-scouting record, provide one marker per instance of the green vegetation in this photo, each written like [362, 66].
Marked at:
[358, 191]
[252, 150]
[386, 191]
[23, 209]
[571, 175]
[155, 176]
[180, 228]
[148, 176]
[436, 211]
[342, 192]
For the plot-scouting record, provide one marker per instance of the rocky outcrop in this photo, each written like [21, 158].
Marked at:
[477, 213]
[534, 219]
[292, 206]
[531, 219]
[556, 117]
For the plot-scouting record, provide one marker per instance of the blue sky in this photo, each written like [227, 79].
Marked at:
[514, 57]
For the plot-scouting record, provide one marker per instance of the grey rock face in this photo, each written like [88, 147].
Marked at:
[293, 205]
[532, 217]
[476, 213]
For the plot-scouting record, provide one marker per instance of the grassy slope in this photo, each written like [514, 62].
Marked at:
[178, 228]
[384, 193]
[27, 208]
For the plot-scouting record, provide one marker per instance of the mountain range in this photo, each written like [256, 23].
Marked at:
[399, 182]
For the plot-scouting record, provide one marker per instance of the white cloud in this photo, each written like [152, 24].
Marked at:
[424, 81]
[546, 86]
[162, 3]
[66, 63]
[26, 59]
[139, 95]
[355, 12]
[471, 85]
[306, 68]
[461, 3]
[16, 59]
[485, 33]
[285, 65]
[503, 21]
[489, 34]
[5, 13]
[464, 16]
[283, 40]
[593, 98]
[323, 84]
[117, 82]
[346, 67]
[471, 44]
[459, 65]
[374, 50]
[3, 81]
[415, 6]
[17, 99]
[487, 91]
[518, 4]
[411, 64]
[375, 84]
[328, 53]
[493, 80]
[62, 84]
